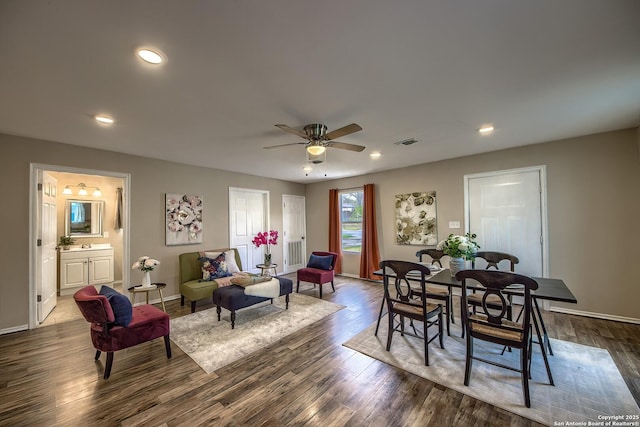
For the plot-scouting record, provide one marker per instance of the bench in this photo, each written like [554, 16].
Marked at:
[233, 298]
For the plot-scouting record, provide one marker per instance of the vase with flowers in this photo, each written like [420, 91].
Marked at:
[459, 248]
[266, 238]
[146, 265]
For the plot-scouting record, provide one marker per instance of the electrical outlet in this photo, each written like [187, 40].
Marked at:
[454, 224]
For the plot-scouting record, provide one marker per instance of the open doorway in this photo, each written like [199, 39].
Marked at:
[63, 194]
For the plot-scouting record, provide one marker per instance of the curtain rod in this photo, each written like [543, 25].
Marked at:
[351, 188]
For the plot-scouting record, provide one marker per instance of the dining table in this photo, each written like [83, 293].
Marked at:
[549, 289]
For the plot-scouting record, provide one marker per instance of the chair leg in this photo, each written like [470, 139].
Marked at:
[219, 311]
[97, 354]
[286, 299]
[426, 342]
[447, 304]
[379, 317]
[468, 360]
[390, 331]
[181, 300]
[440, 328]
[107, 368]
[298, 287]
[524, 366]
[193, 306]
[167, 346]
[233, 320]
[320, 285]
[333, 287]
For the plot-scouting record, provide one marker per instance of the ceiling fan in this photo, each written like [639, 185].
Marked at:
[318, 140]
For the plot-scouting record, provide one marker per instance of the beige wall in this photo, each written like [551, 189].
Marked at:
[150, 180]
[593, 211]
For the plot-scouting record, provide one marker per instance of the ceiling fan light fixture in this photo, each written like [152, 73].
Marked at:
[316, 150]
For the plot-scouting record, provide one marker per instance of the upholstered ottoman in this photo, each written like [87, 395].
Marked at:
[233, 298]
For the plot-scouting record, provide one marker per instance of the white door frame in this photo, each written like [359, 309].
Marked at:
[33, 226]
[542, 171]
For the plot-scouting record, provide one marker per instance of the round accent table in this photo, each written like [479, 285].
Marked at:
[154, 287]
[265, 268]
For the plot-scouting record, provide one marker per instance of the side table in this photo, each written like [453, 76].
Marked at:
[264, 267]
[154, 287]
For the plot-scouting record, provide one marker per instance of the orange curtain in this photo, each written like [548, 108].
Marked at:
[370, 254]
[335, 244]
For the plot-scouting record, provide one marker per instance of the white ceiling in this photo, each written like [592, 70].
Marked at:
[435, 70]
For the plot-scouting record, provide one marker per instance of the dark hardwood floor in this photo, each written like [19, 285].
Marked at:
[48, 377]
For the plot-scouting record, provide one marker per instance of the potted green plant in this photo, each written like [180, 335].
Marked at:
[65, 242]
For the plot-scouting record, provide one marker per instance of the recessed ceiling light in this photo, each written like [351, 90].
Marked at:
[150, 56]
[487, 129]
[375, 155]
[106, 120]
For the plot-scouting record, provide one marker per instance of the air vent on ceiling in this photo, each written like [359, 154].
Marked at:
[409, 141]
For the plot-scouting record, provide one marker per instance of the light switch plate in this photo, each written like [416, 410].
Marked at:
[105, 234]
[454, 224]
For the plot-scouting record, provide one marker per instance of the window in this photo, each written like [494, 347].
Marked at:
[351, 209]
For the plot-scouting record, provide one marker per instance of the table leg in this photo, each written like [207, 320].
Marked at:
[544, 329]
[541, 342]
[379, 317]
[162, 300]
[147, 294]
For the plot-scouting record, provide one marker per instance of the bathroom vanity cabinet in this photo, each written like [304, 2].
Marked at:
[82, 267]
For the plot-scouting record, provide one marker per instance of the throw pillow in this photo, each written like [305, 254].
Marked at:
[213, 268]
[230, 258]
[322, 262]
[120, 304]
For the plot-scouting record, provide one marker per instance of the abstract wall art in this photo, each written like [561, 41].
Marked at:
[416, 219]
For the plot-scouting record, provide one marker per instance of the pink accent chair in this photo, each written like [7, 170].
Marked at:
[147, 323]
[318, 276]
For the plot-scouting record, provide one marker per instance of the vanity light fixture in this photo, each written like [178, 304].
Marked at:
[105, 120]
[82, 190]
[485, 130]
[150, 56]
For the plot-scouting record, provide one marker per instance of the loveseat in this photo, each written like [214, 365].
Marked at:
[191, 285]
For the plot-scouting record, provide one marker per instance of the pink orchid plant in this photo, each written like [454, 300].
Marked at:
[266, 238]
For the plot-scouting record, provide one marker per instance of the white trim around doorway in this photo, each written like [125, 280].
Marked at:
[35, 168]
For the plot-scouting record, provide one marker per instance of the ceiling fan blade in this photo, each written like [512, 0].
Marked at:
[284, 145]
[345, 146]
[346, 130]
[292, 130]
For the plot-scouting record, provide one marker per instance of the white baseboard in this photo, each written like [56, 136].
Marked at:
[596, 315]
[14, 329]
[157, 300]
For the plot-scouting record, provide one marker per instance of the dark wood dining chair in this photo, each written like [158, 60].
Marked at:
[435, 254]
[402, 302]
[493, 326]
[492, 259]
[436, 292]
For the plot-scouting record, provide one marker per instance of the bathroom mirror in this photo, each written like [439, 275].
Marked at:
[83, 218]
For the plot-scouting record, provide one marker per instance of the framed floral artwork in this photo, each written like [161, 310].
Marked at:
[416, 219]
[183, 219]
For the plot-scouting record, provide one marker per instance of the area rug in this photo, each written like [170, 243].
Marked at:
[203, 338]
[587, 387]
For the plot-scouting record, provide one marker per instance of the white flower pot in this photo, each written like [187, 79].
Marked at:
[455, 265]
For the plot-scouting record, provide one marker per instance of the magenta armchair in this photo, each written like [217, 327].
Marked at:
[146, 323]
[319, 270]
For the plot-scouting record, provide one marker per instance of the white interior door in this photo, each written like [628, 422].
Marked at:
[507, 210]
[294, 233]
[248, 215]
[47, 271]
